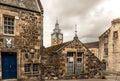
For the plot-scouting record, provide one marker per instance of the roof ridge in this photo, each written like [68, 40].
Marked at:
[32, 5]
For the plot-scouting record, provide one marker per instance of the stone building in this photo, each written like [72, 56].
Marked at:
[109, 47]
[21, 35]
[70, 60]
[93, 47]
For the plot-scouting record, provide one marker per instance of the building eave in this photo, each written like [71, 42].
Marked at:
[19, 7]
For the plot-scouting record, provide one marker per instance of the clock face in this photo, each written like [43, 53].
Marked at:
[60, 36]
[53, 36]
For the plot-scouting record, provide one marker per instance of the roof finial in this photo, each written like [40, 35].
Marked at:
[76, 37]
[75, 30]
[56, 25]
[56, 20]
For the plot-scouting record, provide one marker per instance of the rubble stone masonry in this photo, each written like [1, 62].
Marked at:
[26, 40]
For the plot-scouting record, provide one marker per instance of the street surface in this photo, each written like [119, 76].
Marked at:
[109, 78]
[87, 80]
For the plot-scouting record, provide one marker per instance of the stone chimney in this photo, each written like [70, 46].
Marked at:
[115, 21]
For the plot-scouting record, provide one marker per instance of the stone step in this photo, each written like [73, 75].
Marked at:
[9, 80]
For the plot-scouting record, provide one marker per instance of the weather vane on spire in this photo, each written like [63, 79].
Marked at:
[56, 20]
[75, 30]
[76, 37]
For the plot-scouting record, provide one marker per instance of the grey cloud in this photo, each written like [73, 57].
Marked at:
[71, 12]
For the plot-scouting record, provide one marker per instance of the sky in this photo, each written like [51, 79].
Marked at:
[93, 17]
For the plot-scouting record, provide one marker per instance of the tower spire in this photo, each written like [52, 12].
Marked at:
[76, 37]
[57, 24]
[57, 29]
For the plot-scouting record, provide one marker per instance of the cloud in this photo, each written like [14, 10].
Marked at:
[92, 17]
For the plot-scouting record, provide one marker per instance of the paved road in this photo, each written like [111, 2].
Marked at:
[87, 80]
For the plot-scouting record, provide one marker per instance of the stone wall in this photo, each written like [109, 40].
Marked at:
[56, 62]
[113, 45]
[26, 41]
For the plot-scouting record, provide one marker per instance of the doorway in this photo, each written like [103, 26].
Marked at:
[9, 65]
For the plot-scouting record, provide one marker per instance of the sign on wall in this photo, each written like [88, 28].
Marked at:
[9, 43]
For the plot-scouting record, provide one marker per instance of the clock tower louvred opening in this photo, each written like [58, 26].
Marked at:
[56, 36]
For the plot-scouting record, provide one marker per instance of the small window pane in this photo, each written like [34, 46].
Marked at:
[70, 68]
[27, 68]
[115, 35]
[79, 68]
[79, 54]
[69, 54]
[106, 51]
[8, 25]
[106, 39]
[35, 67]
[79, 60]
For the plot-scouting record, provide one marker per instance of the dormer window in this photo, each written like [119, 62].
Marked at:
[8, 25]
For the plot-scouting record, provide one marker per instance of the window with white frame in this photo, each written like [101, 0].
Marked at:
[78, 68]
[70, 68]
[69, 54]
[8, 25]
[70, 57]
[70, 62]
[79, 57]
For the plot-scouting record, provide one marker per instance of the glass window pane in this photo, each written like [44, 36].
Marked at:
[27, 68]
[8, 25]
[70, 68]
[35, 67]
[78, 69]
[69, 54]
[79, 54]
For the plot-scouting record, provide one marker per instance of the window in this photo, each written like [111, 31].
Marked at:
[69, 54]
[79, 57]
[8, 25]
[35, 67]
[31, 68]
[78, 68]
[79, 54]
[106, 51]
[27, 68]
[104, 66]
[79, 60]
[106, 39]
[70, 68]
[115, 35]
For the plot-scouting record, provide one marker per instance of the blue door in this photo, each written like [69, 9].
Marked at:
[9, 65]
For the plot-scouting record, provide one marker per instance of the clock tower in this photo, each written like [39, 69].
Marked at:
[56, 36]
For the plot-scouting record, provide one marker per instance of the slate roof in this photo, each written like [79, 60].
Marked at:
[33, 5]
[55, 47]
[92, 44]
[58, 47]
